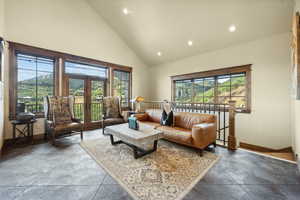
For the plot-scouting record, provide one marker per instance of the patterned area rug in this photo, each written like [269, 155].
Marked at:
[167, 174]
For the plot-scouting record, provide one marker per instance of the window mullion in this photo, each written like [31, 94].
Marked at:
[193, 91]
[36, 84]
[216, 90]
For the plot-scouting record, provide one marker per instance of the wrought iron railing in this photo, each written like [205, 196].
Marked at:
[79, 111]
[222, 111]
[96, 110]
[34, 108]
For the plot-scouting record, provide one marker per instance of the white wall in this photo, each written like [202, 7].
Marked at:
[70, 26]
[269, 122]
[1, 18]
[295, 110]
[1, 84]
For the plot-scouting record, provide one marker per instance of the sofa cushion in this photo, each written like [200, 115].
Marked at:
[154, 124]
[141, 116]
[154, 115]
[188, 120]
[177, 134]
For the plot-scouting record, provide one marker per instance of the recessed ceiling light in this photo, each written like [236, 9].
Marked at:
[125, 11]
[190, 42]
[232, 28]
[159, 53]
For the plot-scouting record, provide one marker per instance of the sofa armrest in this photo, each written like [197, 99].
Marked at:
[141, 116]
[204, 134]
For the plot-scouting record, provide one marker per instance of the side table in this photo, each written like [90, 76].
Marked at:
[25, 132]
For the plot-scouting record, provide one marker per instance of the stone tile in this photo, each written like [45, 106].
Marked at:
[56, 193]
[109, 180]
[66, 171]
[265, 192]
[48, 165]
[11, 193]
[193, 195]
[214, 192]
[215, 177]
[44, 164]
[112, 192]
[291, 191]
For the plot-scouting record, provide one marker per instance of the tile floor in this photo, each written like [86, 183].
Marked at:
[66, 172]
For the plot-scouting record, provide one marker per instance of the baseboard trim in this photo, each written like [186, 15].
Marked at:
[10, 142]
[264, 149]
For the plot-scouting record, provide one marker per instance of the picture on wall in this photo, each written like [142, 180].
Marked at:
[295, 47]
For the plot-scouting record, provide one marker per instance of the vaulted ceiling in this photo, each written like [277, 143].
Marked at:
[165, 26]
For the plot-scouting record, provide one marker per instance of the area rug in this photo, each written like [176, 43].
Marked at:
[167, 174]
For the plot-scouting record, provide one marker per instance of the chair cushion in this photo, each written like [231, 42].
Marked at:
[68, 127]
[177, 134]
[112, 121]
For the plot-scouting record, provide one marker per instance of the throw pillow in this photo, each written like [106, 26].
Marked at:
[166, 119]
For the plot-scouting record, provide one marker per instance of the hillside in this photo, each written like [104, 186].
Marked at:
[205, 92]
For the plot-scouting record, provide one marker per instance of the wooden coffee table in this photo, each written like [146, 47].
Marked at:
[135, 139]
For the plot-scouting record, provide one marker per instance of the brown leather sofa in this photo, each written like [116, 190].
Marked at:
[190, 129]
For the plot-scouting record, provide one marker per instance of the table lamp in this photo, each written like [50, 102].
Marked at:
[137, 100]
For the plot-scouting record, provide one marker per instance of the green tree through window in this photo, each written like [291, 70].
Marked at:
[121, 85]
[35, 79]
[216, 89]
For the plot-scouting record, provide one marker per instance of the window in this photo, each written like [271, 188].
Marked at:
[217, 86]
[85, 69]
[121, 86]
[36, 72]
[183, 91]
[35, 79]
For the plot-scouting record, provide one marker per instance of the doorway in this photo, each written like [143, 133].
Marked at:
[88, 92]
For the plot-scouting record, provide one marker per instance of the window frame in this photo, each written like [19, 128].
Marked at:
[1, 56]
[128, 70]
[59, 71]
[215, 73]
[14, 49]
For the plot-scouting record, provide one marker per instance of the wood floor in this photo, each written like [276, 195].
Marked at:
[281, 155]
[285, 156]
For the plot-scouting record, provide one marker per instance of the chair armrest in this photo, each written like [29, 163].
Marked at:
[50, 124]
[141, 116]
[125, 115]
[76, 120]
[204, 134]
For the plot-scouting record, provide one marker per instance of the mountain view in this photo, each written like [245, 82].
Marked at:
[204, 90]
[28, 93]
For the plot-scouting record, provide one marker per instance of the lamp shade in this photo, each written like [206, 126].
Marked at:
[138, 99]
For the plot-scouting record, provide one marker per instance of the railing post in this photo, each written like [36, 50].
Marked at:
[232, 145]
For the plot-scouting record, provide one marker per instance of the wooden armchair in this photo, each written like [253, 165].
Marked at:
[112, 112]
[59, 117]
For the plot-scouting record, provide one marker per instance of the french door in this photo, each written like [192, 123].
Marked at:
[88, 92]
